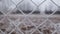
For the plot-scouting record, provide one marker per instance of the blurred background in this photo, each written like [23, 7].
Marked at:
[28, 6]
[29, 16]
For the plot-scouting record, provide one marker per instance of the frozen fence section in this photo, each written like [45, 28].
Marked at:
[29, 16]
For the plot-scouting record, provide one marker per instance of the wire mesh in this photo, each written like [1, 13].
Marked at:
[29, 17]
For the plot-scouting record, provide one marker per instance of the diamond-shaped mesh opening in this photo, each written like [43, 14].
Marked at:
[16, 1]
[6, 6]
[26, 26]
[37, 2]
[13, 18]
[9, 29]
[4, 23]
[15, 11]
[6, 26]
[37, 20]
[25, 7]
[26, 29]
[47, 27]
[56, 2]
[51, 9]
[29, 16]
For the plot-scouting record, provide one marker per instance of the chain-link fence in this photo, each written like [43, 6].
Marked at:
[29, 16]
